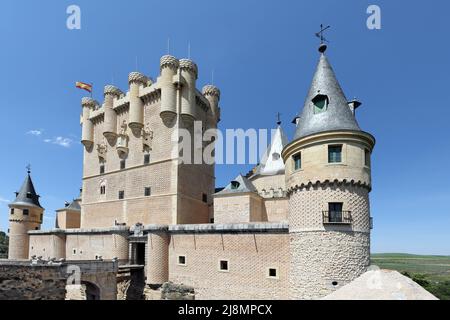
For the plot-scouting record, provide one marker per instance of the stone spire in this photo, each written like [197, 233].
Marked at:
[326, 107]
[272, 162]
[27, 195]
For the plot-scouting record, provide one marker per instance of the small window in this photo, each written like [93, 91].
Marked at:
[235, 185]
[12, 211]
[146, 159]
[148, 192]
[204, 197]
[26, 212]
[121, 195]
[223, 265]
[297, 161]
[29, 195]
[320, 103]
[273, 273]
[37, 228]
[335, 211]
[275, 156]
[182, 260]
[42, 217]
[102, 189]
[74, 251]
[211, 220]
[102, 169]
[367, 158]
[123, 164]
[334, 154]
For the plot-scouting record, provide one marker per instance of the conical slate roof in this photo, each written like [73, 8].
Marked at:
[238, 185]
[271, 162]
[27, 195]
[337, 116]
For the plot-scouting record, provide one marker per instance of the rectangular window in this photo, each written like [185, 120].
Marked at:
[223, 265]
[204, 197]
[12, 210]
[121, 195]
[102, 189]
[123, 164]
[211, 220]
[148, 192]
[42, 217]
[334, 154]
[297, 161]
[367, 158]
[335, 211]
[26, 212]
[146, 159]
[102, 169]
[273, 273]
[182, 260]
[74, 251]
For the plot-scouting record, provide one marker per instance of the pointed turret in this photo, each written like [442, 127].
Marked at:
[25, 214]
[27, 195]
[326, 107]
[271, 162]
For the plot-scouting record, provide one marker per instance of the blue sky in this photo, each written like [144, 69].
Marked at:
[264, 55]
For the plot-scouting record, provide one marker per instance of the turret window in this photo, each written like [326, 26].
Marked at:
[320, 103]
[334, 154]
[121, 195]
[367, 158]
[103, 189]
[297, 161]
[26, 212]
[146, 159]
[123, 164]
[102, 169]
[275, 156]
[147, 191]
[235, 185]
[12, 210]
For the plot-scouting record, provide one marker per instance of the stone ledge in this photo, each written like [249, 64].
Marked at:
[231, 228]
[111, 230]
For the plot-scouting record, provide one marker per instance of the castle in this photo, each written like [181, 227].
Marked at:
[297, 227]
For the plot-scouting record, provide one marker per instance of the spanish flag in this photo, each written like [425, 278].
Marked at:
[84, 86]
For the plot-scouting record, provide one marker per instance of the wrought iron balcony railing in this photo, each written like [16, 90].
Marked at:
[337, 217]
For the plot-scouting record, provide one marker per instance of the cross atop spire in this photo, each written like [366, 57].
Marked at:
[323, 46]
[28, 167]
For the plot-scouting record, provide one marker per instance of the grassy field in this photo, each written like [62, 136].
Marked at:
[431, 272]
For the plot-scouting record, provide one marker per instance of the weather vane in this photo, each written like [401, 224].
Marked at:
[320, 34]
[323, 46]
[28, 168]
[278, 118]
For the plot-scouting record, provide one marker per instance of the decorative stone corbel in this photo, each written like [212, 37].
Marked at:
[147, 138]
[102, 149]
[122, 140]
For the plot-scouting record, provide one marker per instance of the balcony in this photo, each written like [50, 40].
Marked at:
[337, 217]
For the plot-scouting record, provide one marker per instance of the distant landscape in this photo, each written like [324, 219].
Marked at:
[431, 272]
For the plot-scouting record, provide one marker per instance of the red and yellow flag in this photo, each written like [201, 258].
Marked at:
[84, 86]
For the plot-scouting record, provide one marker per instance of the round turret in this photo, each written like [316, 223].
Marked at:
[110, 127]
[136, 81]
[169, 68]
[87, 133]
[189, 72]
[212, 94]
[26, 214]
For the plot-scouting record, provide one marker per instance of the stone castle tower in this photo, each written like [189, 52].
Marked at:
[25, 214]
[130, 171]
[328, 179]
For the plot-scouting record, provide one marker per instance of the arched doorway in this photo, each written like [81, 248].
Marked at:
[92, 292]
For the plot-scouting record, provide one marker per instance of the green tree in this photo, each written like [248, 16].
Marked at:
[3, 245]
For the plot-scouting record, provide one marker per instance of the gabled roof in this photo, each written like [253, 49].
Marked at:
[27, 195]
[272, 163]
[337, 116]
[238, 185]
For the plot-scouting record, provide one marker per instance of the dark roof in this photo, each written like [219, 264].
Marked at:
[338, 115]
[27, 195]
[238, 185]
[74, 206]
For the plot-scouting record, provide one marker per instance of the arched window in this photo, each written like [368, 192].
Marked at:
[320, 102]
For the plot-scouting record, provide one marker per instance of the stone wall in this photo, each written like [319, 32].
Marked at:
[250, 254]
[24, 282]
